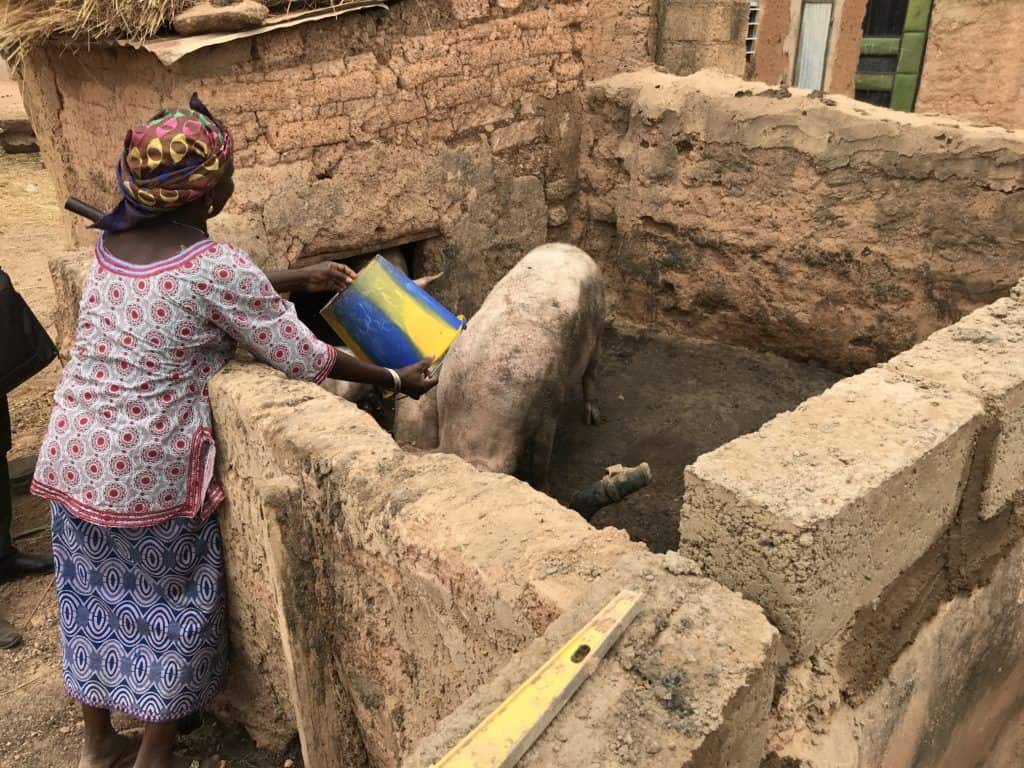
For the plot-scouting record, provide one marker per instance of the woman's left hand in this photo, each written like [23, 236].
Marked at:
[327, 276]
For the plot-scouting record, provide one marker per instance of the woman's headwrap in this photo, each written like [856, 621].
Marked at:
[170, 161]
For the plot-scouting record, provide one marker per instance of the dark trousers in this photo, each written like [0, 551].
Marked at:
[5, 479]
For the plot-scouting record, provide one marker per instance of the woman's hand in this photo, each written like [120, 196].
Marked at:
[417, 379]
[327, 276]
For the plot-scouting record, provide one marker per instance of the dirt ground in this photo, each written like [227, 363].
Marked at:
[41, 726]
[666, 401]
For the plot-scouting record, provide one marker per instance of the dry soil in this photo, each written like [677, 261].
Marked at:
[666, 401]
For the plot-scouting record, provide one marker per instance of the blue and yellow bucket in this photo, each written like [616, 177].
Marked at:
[388, 320]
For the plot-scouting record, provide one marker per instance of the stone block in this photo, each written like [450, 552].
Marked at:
[684, 58]
[415, 75]
[361, 84]
[466, 10]
[516, 134]
[285, 137]
[703, 22]
[689, 683]
[982, 355]
[817, 512]
[207, 17]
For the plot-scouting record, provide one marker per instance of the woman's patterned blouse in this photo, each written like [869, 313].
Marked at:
[130, 443]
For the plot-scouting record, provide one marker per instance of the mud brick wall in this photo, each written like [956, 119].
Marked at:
[824, 230]
[875, 524]
[702, 34]
[452, 120]
[407, 581]
[456, 121]
[973, 69]
[952, 698]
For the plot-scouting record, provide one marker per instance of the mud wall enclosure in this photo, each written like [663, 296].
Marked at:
[466, 108]
[382, 602]
[821, 229]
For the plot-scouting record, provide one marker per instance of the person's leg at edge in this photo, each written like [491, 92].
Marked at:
[9, 636]
[6, 511]
[157, 750]
[104, 747]
[13, 563]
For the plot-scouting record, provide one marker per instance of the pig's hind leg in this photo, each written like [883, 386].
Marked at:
[542, 444]
[591, 411]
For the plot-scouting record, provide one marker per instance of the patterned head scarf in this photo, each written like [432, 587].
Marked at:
[170, 161]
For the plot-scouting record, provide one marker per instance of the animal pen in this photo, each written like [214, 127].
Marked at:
[814, 335]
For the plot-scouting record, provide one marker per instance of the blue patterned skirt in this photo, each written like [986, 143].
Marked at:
[142, 619]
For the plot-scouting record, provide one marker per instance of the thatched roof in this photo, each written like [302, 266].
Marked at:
[23, 22]
[28, 21]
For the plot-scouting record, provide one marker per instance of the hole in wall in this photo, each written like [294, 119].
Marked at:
[409, 258]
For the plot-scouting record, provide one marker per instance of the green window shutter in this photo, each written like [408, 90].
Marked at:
[904, 92]
[911, 54]
[918, 13]
[874, 82]
[880, 46]
[908, 50]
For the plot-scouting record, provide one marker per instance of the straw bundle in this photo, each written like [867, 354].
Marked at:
[25, 21]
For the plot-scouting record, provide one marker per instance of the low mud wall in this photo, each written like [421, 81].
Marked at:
[404, 582]
[819, 228]
[953, 698]
[880, 527]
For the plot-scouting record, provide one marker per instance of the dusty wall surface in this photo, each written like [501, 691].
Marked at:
[448, 119]
[819, 229]
[258, 692]
[702, 34]
[777, 40]
[407, 581]
[708, 659]
[773, 51]
[844, 46]
[973, 69]
[954, 697]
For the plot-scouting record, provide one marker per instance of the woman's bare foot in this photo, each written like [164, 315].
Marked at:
[113, 751]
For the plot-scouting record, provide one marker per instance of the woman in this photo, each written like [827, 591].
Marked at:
[128, 460]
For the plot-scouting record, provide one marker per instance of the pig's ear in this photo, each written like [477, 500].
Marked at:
[423, 282]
